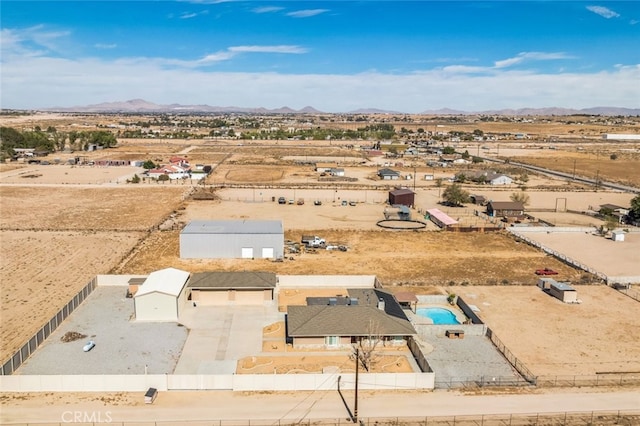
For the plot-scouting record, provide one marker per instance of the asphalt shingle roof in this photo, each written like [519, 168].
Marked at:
[233, 280]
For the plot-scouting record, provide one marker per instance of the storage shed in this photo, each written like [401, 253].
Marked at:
[239, 288]
[232, 239]
[162, 296]
[402, 196]
[617, 235]
[561, 291]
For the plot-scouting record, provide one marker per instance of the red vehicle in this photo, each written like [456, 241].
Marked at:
[546, 271]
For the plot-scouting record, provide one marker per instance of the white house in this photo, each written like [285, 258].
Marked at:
[162, 296]
[499, 179]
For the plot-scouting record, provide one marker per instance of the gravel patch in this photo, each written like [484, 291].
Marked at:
[122, 346]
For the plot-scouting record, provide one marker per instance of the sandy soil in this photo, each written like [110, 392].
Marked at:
[554, 338]
[41, 270]
[317, 363]
[76, 222]
[614, 258]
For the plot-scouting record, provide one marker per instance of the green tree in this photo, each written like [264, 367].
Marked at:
[465, 155]
[455, 195]
[148, 165]
[634, 210]
[613, 156]
[448, 150]
[163, 178]
[461, 177]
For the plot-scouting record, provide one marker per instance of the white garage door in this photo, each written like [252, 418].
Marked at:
[267, 252]
[247, 252]
[249, 297]
[211, 298]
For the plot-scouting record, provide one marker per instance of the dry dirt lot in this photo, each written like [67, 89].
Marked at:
[54, 239]
[41, 271]
[550, 337]
[397, 258]
[613, 258]
[73, 228]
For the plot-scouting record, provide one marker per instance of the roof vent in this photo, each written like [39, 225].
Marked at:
[381, 304]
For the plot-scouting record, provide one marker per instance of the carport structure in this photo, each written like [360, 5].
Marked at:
[240, 288]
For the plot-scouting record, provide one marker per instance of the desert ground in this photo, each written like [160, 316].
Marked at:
[61, 225]
[552, 338]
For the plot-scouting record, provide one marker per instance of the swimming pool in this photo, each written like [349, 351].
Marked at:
[438, 315]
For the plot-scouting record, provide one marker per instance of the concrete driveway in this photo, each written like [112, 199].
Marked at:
[221, 335]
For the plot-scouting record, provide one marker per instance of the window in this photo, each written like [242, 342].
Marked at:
[331, 340]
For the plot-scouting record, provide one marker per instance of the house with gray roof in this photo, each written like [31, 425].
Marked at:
[388, 174]
[236, 288]
[333, 322]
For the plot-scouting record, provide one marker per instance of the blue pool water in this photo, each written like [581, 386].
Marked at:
[438, 315]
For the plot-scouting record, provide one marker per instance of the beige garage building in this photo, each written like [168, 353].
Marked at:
[162, 296]
[239, 288]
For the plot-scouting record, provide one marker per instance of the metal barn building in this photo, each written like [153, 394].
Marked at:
[402, 196]
[162, 296]
[232, 239]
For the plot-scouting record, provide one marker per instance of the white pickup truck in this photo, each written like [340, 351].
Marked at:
[313, 241]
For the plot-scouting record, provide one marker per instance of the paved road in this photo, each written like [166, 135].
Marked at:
[557, 174]
[226, 405]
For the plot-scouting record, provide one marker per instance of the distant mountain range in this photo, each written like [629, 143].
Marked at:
[142, 106]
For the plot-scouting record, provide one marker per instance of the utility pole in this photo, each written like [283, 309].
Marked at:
[597, 179]
[355, 405]
[414, 178]
[574, 169]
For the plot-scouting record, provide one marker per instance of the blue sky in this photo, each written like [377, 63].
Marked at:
[336, 56]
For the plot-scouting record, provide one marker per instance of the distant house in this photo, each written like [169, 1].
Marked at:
[492, 178]
[388, 174]
[617, 211]
[402, 196]
[172, 171]
[480, 200]
[505, 208]
[333, 322]
[336, 171]
[325, 167]
[180, 161]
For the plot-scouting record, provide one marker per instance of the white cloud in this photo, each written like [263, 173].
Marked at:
[605, 12]
[531, 56]
[267, 9]
[14, 41]
[39, 82]
[190, 15]
[306, 13]
[105, 45]
[269, 49]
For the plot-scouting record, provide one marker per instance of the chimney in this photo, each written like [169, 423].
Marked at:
[381, 304]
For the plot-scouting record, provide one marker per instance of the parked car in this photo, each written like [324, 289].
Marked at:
[317, 203]
[90, 345]
[546, 271]
[300, 201]
[282, 200]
